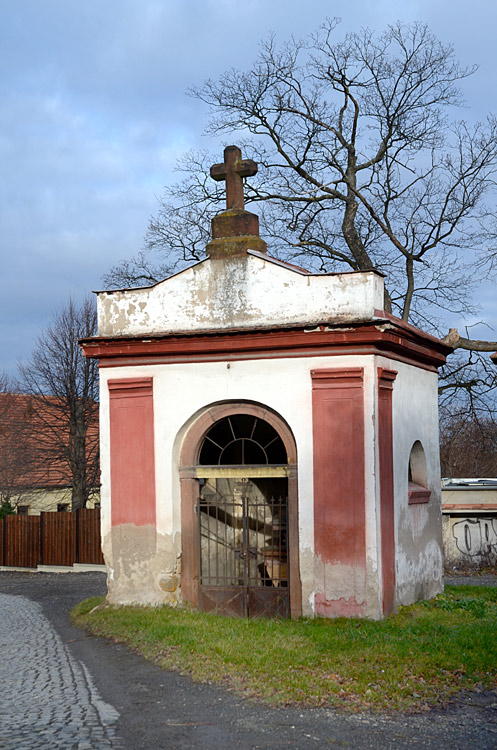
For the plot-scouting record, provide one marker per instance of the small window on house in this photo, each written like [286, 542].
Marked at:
[23, 510]
[418, 481]
[62, 507]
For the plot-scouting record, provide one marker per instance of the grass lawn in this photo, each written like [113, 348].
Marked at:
[418, 658]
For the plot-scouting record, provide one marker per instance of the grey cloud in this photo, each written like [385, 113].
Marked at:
[93, 114]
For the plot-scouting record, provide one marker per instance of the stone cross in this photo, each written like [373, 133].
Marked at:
[232, 170]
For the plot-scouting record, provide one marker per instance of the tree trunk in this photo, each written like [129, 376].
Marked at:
[410, 288]
[78, 436]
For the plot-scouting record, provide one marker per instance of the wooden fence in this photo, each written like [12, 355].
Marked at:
[51, 539]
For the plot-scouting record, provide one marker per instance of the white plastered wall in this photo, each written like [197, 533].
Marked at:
[246, 292]
[418, 531]
[182, 391]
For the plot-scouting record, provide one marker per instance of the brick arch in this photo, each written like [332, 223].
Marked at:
[189, 458]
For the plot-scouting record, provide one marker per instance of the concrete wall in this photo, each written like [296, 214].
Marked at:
[469, 508]
[244, 293]
[419, 560]
[470, 540]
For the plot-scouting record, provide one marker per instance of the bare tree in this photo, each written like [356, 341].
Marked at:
[5, 383]
[362, 164]
[468, 447]
[64, 386]
[7, 443]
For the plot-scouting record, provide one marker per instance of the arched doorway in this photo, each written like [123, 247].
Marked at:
[239, 513]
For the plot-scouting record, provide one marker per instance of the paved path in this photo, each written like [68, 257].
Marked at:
[486, 579]
[47, 698]
[61, 688]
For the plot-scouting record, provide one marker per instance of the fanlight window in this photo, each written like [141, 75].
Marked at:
[242, 440]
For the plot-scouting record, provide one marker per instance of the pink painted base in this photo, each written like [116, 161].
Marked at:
[338, 607]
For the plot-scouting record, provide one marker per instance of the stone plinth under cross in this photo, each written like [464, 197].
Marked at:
[235, 230]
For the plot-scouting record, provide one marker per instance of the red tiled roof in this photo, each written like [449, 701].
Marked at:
[34, 441]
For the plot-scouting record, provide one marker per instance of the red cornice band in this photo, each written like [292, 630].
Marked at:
[391, 338]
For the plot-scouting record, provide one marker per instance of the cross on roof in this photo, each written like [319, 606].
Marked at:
[233, 169]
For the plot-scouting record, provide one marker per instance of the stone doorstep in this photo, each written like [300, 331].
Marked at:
[76, 568]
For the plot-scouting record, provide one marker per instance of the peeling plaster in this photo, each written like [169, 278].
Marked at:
[422, 577]
[373, 605]
[336, 581]
[243, 292]
[151, 575]
[144, 567]
[418, 528]
[307, 581]
[339, 607]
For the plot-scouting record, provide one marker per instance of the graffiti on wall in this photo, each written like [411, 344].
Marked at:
[476, 537]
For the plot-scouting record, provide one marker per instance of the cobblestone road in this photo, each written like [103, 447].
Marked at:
[49, 700]
[50, 694]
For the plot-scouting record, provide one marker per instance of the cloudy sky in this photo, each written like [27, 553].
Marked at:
[93, 115]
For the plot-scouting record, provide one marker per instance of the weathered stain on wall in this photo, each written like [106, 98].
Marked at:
[239, 293]
[143, 567]
[307, 562]
[419, 558]
[422, 578]
[340, 589]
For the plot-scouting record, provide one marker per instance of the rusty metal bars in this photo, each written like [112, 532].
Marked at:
[243, 543]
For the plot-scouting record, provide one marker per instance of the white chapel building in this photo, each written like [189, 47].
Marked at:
[269, 436]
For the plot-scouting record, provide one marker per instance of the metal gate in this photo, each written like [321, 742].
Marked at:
[243, 551]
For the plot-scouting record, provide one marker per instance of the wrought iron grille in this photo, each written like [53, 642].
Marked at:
[243, 539]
